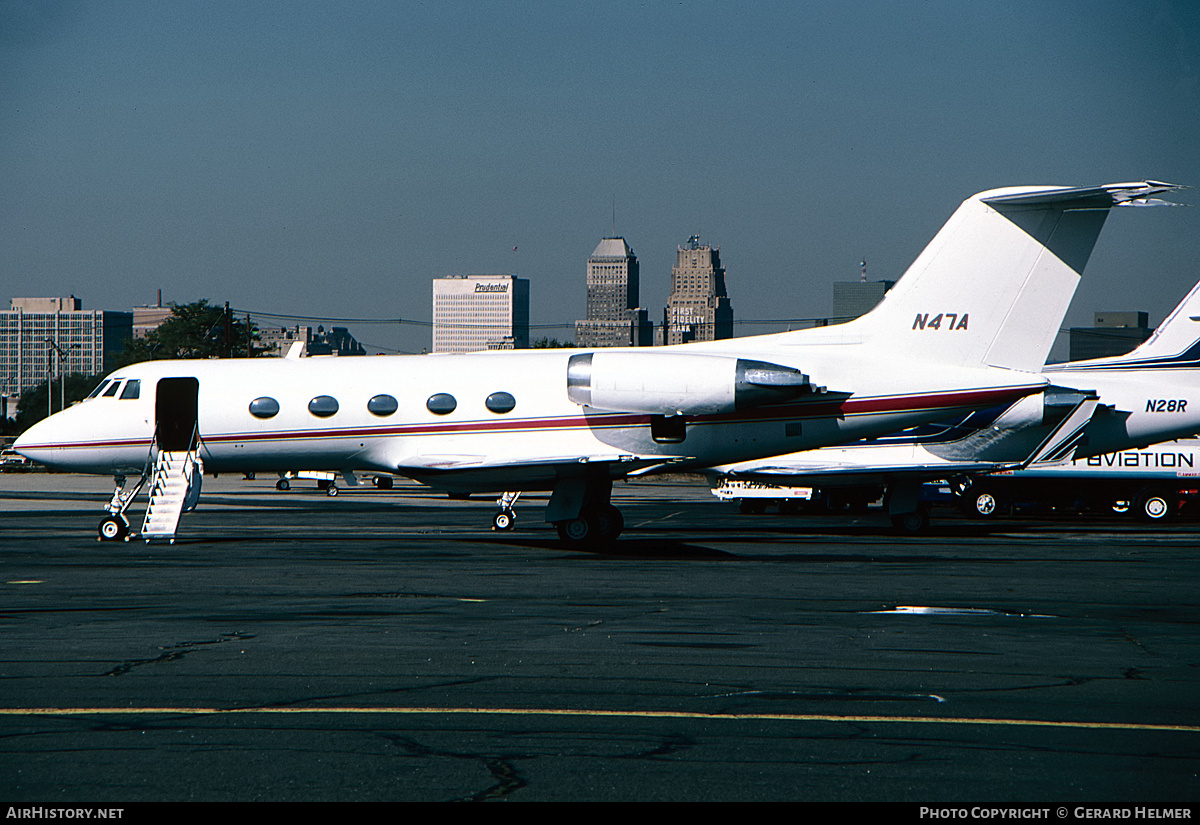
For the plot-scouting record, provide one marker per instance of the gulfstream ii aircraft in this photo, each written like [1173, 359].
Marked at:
[965, 328]
[1091, 408]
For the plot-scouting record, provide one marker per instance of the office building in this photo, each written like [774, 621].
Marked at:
[699, 308]
[146, 319]
[41, 337]
[278, 341]
[1114, 333]
[480, 312]
[613, 316]
[852, 299]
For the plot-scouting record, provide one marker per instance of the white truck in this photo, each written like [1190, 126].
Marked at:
[756, 497]
[1152, 483]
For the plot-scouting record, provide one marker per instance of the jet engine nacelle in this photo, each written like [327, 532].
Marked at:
[679, 384]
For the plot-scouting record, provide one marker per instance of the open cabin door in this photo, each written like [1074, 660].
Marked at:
[176, 403]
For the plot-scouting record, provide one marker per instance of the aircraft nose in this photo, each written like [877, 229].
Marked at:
[52, 441]
[34, 442]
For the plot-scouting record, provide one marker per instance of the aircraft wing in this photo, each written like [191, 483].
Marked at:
[1066, 413]
[862, 465]
[501, 473]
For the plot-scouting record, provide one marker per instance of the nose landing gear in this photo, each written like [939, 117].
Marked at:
[114, 526]
[505, 516]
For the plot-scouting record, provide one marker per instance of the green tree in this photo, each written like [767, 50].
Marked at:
[551, 343]
[196, 330]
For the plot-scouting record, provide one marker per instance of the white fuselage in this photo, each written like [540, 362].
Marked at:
[1140, 406]
[479, 448]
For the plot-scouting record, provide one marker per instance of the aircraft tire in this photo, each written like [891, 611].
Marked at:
[911, 524]
[575, 531]
[331, 490]
[113, 528]
[283, 485]
[503, 520]
[595, 526]
[609, 521]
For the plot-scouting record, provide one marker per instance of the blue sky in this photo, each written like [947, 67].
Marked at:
[330, 159]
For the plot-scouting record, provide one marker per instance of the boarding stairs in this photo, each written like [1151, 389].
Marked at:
[174, 473]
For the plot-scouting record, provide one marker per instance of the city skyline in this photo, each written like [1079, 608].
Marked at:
[329, 161]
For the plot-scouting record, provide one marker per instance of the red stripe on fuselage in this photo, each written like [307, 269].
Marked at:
[818, 407]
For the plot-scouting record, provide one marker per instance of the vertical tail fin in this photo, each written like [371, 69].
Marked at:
[994, 284]
[1174, 344]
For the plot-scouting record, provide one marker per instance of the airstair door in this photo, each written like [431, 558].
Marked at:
[176, 467]
[175, 412]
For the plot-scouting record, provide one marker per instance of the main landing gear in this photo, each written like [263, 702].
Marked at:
[597, 524]
[582, 513]
[579, 509]
[903, 500]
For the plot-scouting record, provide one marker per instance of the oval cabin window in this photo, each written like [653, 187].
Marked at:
[383, 405]
[264, 407]
[500, 402]
[441, 403]
[323, 406]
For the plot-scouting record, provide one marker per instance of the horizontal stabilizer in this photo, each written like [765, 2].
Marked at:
[994, 284]
[1138, 193]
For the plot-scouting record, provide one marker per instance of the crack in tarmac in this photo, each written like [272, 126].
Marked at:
[175, 652]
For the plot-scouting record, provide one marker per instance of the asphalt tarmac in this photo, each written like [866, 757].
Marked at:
[389, 646]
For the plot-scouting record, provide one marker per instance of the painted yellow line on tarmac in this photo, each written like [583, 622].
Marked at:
[626, 714]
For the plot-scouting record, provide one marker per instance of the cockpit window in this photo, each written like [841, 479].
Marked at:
[133, 389]
[111, 392]
[99, 387]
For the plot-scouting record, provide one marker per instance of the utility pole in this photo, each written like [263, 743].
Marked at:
[50, 379]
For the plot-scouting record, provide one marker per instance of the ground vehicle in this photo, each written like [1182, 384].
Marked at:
[10, 458]
[1152, 483]
[757, 496]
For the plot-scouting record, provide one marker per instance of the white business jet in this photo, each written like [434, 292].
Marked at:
[965, 328]
[1091, 408]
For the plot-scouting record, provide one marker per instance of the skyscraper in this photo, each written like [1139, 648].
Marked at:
[699, 308]
[613, 316]
[478, 312]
